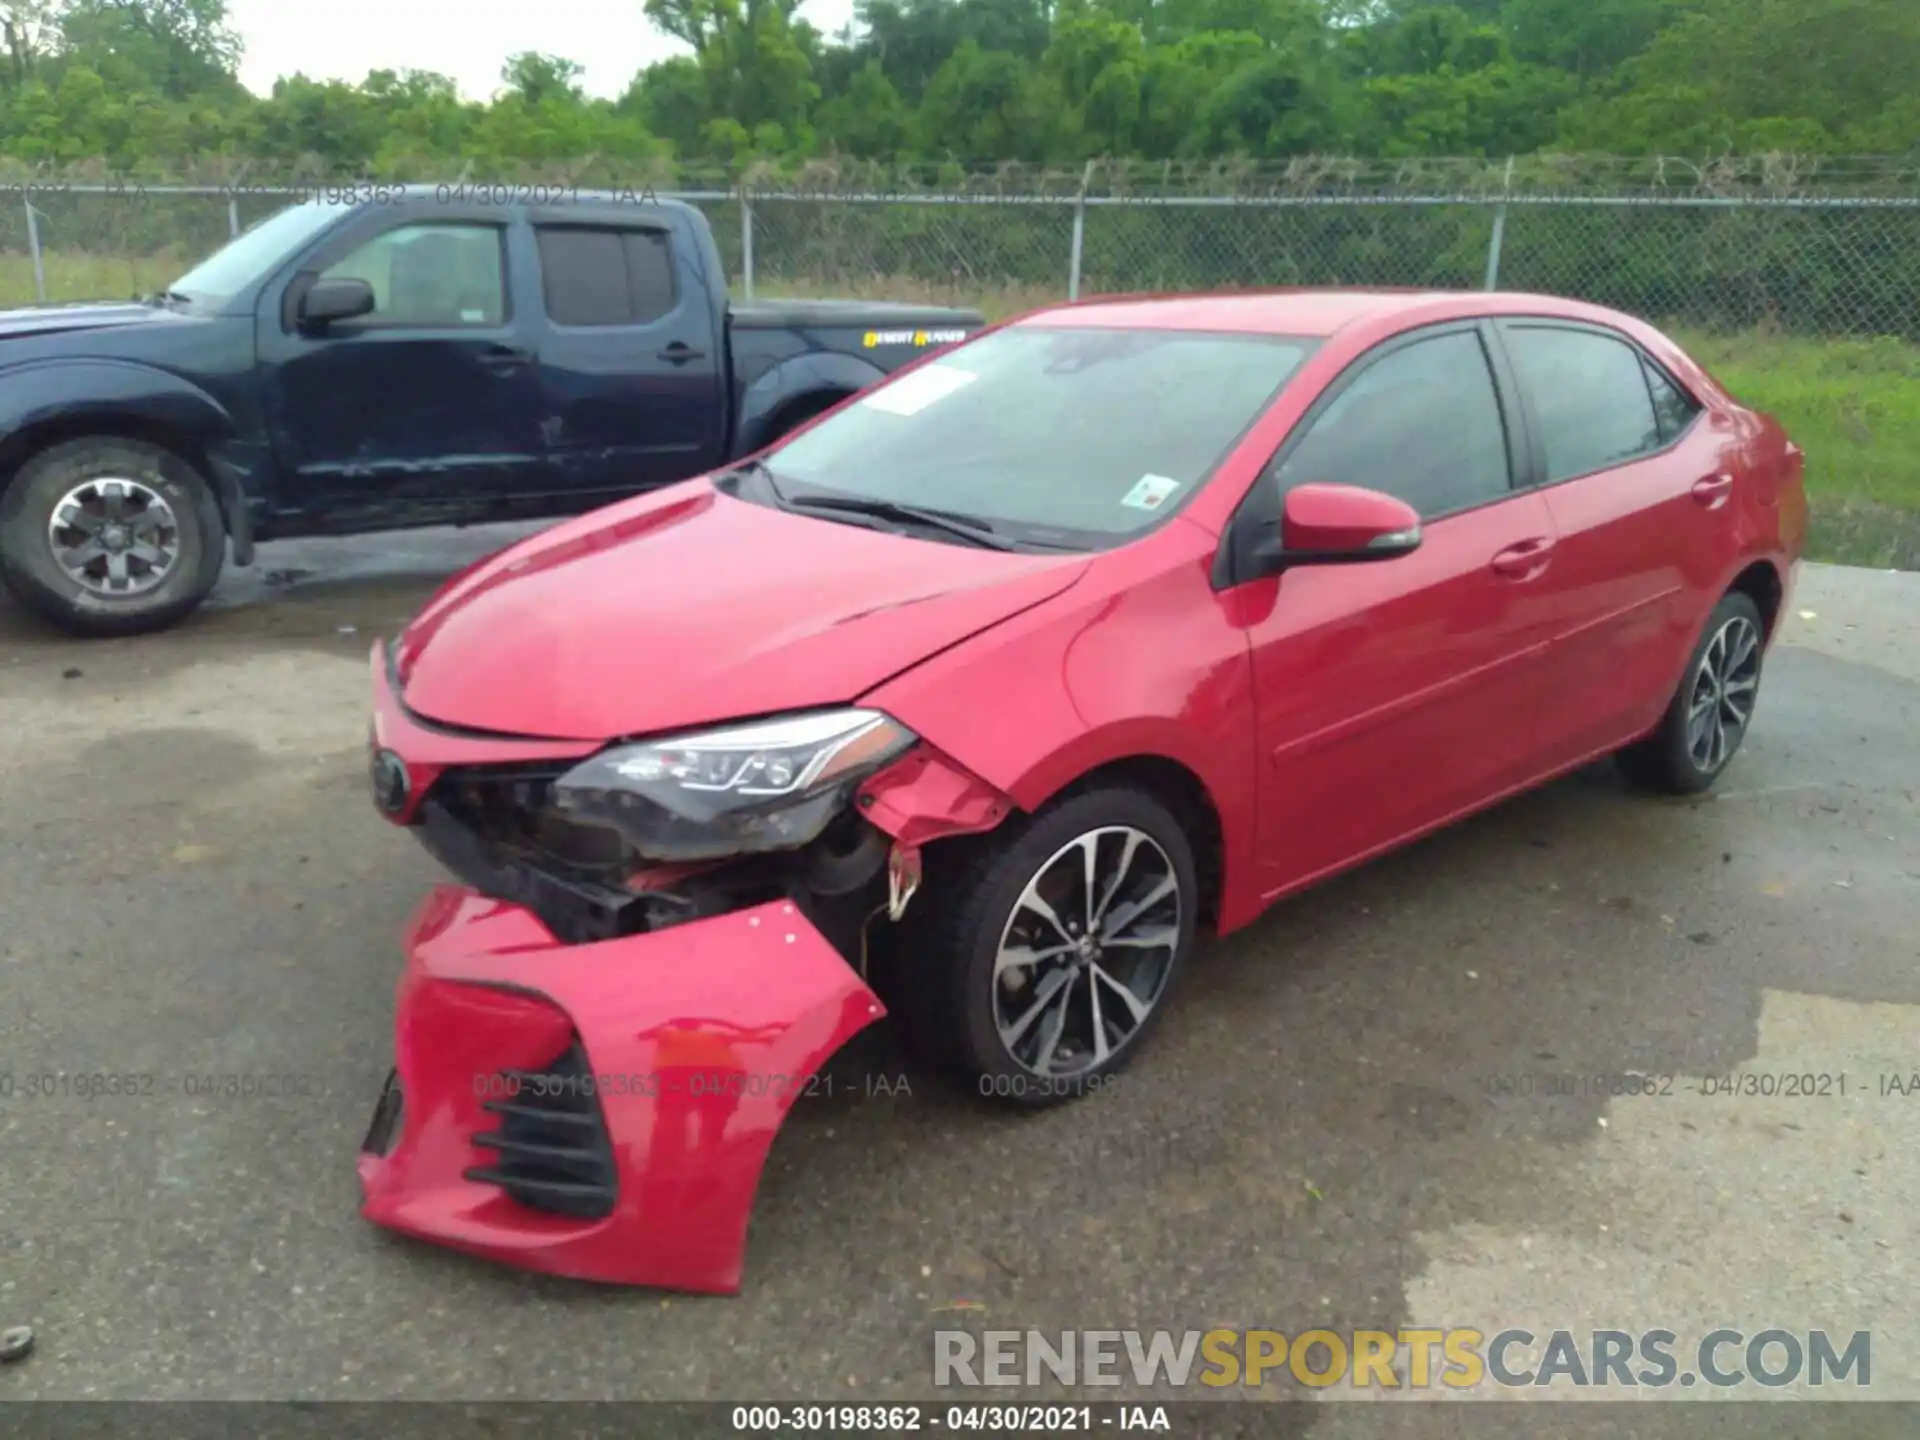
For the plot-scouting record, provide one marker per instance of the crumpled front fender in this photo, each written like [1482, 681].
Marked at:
[697, 1041]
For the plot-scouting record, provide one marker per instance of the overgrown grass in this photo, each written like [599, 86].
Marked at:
[1854, 405]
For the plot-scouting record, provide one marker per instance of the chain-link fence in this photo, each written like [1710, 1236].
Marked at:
[1834, 253]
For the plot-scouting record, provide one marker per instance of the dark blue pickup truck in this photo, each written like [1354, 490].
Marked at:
[406, 361]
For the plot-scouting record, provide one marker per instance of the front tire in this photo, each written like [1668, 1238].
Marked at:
[1041, 956]
[1712, 710]
[110, 536]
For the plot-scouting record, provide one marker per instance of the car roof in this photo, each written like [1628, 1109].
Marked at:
[1309, 312]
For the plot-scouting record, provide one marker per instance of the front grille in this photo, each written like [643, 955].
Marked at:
[552, 1145]
[498, 830]
[512, 808]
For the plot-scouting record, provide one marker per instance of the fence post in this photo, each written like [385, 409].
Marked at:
[233, 198]
[746, 240]
[1079, 233]
[1499, 229]
[33, 246]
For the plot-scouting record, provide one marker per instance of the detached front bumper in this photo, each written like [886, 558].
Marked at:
[603, 1110]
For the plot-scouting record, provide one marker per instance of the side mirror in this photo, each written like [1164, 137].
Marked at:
[1341, 525]
[339, 299]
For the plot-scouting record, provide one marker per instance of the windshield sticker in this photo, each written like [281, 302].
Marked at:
[917, 389]
[1150, 493]
[874, 339]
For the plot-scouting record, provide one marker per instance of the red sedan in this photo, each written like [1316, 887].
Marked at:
[990, 690]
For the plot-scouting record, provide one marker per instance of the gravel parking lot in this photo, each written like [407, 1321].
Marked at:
[192, 882]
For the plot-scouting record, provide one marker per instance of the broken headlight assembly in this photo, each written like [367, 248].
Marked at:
[737, 790]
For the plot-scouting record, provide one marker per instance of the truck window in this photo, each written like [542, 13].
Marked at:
[606, 277]
[435, 275]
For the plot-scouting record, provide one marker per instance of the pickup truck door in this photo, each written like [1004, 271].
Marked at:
[431, 403]
[632, 353]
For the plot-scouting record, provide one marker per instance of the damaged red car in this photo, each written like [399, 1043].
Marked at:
[980, 697]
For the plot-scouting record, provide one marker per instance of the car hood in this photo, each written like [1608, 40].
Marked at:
[53, 319]
[686, 607]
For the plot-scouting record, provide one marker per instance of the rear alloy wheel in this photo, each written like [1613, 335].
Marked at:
[1041, 956]
[1712, 710]
[110, 536]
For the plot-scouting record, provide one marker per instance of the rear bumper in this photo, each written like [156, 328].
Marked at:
[687, 1047]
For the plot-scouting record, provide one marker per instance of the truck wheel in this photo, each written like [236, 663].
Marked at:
[110, 536]
[1036, 958]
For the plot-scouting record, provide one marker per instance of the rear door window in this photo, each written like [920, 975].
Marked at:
[1590, 394]
[597, 277]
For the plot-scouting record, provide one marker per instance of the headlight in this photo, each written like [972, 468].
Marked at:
[771, 785]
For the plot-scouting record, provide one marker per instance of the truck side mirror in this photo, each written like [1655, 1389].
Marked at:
[327, 301]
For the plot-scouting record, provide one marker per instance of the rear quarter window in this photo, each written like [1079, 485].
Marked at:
[1673, 407]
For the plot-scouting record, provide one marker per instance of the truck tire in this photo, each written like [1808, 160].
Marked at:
[110, 536]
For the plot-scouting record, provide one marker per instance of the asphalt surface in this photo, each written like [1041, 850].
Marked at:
[192, 882]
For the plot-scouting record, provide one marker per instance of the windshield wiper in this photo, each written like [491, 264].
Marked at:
[967, 530]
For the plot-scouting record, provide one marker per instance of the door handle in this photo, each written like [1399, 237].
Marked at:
[679, 353]
[1524, 560]
[503, 358]
[1712, 490]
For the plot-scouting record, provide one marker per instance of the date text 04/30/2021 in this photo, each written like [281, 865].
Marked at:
[898, 1419]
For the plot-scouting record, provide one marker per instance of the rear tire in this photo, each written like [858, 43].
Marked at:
[1712, 709]
[959, 998]
[110, 536]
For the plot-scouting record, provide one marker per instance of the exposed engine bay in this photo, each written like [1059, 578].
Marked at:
[505, 830]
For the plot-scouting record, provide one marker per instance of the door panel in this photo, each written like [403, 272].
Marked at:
[433, 398]
[631, 364]
[1639, 550]
[1394, 694]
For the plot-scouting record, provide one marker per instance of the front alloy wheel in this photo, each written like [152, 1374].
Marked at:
[1035, 959]
[1087, 952]
[114, 536]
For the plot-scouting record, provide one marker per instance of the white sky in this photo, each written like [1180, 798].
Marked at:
[467, 39]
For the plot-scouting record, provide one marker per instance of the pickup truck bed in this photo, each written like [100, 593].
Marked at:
[419, 359]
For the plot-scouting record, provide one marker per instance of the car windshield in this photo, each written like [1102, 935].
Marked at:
[1081, 435]
[254, 251]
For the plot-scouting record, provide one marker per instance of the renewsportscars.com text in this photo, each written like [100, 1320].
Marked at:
[1455, 1359]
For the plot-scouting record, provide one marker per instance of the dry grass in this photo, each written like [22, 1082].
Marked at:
[1853, 404]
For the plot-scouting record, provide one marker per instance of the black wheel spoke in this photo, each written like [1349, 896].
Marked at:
[115, 537]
